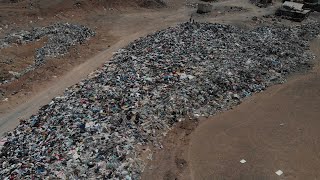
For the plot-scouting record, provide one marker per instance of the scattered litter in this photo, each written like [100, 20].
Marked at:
[61, 37]
[3, 141]
[197, 115]
[243, 161]
[279, 172]
[16, 74]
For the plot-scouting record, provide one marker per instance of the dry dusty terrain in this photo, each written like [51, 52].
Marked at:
[273, 130]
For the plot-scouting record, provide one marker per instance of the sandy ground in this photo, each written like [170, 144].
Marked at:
[275, 130]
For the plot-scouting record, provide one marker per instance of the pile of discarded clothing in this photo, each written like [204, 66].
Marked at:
[177, 74]
[61, 37]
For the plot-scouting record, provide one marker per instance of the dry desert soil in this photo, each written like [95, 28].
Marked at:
[277, 129]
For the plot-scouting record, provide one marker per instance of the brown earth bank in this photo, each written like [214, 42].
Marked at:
[275, 130]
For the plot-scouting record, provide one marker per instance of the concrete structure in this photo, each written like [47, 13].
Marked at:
[293, 11]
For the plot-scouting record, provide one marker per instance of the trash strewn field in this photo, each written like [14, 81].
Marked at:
[187, 71]
[61, 37]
